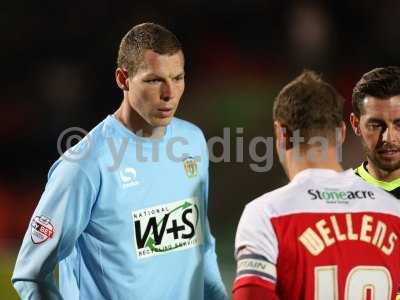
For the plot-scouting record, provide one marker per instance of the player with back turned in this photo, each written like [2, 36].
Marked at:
[129, 219]
[376, 120]
[327, 235]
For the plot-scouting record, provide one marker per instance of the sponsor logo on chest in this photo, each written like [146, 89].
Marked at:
[165, 228]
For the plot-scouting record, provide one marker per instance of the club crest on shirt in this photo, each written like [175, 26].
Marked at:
[41, 229]
[190, 165]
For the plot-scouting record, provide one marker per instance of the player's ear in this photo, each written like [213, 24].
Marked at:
[282, 134]
[355, 124]
[121, 77]
[341, 134]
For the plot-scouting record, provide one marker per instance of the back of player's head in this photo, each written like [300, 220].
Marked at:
[310, 105]
[146, 36]
[381, 83]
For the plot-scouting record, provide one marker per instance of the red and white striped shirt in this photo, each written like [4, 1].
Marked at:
[326, 236]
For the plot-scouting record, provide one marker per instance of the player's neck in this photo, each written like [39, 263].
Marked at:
[380, 174]
[297, 162]
[134, 122]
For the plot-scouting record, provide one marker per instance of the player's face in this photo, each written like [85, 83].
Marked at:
[379, 129]
[156, 88]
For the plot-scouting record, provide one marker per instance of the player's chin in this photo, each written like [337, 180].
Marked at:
[162, 122]
[388, 164]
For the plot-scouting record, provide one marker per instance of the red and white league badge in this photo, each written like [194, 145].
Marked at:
[41, 229]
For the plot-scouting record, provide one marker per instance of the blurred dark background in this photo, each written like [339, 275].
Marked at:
[58, 61]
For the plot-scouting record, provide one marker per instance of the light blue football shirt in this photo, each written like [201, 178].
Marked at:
[126, 218]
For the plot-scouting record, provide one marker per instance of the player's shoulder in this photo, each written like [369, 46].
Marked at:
[289, 192]
[317, 190]
[85, 155]
[90, 147]
[181, 126]
[378, 191]
[266, 204]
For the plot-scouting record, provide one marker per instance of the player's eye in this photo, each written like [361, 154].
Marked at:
[374, 126]
[397, 124]
[153, 81]
[179, 78]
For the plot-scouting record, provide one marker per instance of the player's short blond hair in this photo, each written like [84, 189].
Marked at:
[146, 36]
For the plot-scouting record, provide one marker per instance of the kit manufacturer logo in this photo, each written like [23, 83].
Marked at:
[128, 178]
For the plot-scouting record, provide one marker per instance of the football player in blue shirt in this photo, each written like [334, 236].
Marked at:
[124, 212]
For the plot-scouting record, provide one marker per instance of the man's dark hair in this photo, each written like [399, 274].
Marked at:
[381, 83]
[146, 36]
[310, 105]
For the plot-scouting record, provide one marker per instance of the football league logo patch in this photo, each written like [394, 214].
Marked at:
[41, 229]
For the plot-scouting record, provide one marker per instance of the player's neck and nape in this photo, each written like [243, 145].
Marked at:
[135, 123]
[379, 173]
[297, 157]
[311, 158]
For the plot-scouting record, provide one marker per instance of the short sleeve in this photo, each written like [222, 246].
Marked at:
[256, 248]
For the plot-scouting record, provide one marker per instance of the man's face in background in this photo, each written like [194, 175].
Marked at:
[379, 129]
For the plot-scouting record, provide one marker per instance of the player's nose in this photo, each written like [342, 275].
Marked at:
[167, 91]
[388, 134]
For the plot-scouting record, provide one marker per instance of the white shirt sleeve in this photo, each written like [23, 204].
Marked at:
[256, 245]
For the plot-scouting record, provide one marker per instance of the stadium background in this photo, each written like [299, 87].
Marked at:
[58, 61]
